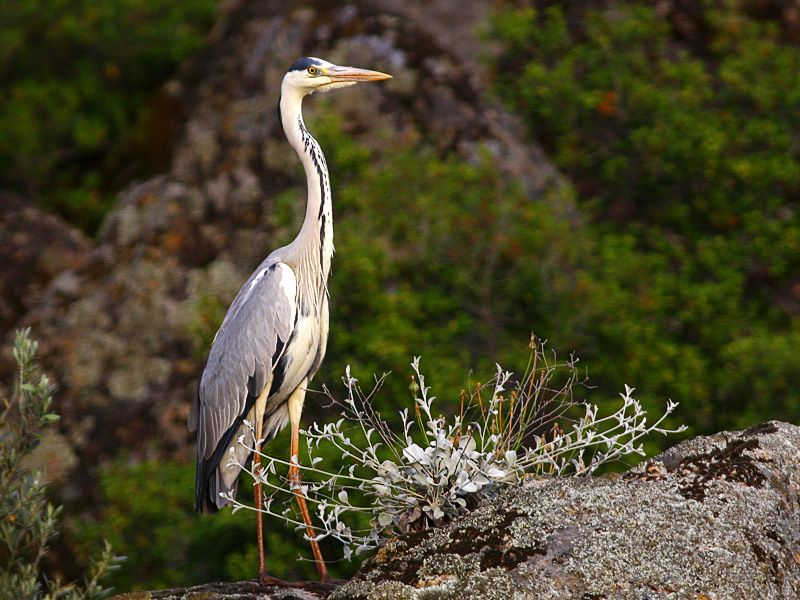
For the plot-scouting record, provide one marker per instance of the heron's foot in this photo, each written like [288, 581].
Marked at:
[327, 584]
[265, 579]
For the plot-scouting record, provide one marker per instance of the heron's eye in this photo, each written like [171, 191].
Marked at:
[312, 70]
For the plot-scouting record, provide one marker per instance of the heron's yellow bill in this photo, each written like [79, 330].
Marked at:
[355, 74]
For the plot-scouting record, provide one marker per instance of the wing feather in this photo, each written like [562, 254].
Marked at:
[245, 350]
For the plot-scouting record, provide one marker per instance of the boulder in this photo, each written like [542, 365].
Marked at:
[712, 518]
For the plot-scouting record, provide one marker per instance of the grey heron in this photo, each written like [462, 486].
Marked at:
[274, 335]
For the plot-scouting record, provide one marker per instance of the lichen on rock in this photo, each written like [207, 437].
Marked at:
[715, 516]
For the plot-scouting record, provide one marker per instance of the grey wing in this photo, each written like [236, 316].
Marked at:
[247, 346]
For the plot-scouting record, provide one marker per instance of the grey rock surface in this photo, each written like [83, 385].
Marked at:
[35, 248]
[242, 590]
[713, 518]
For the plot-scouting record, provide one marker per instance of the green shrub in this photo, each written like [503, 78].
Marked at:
[686, 161]
[434, 257]
[695, 143]
[77, 75]
[28, 521]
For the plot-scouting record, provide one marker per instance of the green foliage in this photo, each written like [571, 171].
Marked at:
[452, 267]
[76, 78]
[28, 522]
[687, 160]
[693, 143]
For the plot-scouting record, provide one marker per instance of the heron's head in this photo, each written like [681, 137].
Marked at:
[309, 75]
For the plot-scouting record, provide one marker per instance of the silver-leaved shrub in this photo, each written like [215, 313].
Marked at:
[424, 468]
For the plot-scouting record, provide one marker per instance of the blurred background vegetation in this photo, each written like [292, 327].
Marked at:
[78, 108]
[683, 279]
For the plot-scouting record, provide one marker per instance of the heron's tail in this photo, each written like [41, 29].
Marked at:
[209, 483]
[219, 474]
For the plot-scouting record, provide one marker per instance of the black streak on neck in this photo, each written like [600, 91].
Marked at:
[310, 147]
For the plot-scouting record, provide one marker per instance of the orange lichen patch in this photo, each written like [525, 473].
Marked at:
[431, 581]
[172, 241]
[185, 366]
[146, 199]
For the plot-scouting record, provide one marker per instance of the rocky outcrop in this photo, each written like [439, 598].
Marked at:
[119, 332]
[35, 248]
[713, 518]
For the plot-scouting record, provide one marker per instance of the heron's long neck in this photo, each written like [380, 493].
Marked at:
[313, 246]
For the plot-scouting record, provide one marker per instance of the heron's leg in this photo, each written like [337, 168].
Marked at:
[258, 417]
[295, 409]
[259, 521]
[263, 577]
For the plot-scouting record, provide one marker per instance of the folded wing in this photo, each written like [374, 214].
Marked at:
[244, 353]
